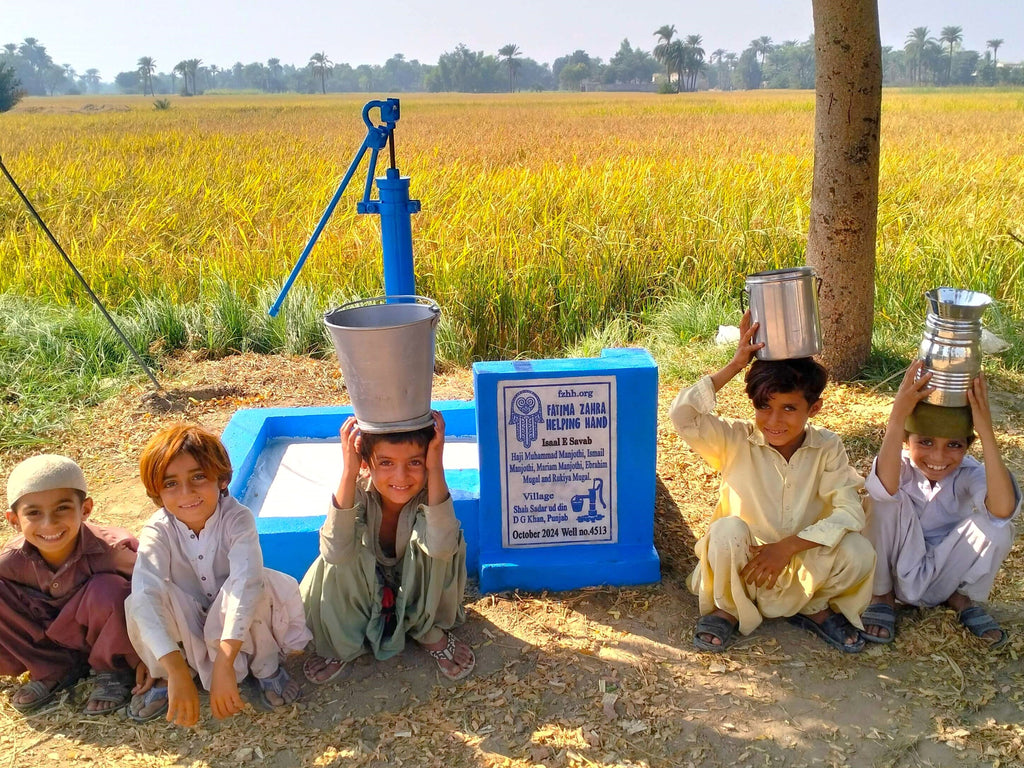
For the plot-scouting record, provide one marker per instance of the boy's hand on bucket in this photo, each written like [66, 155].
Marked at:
[747, 346]
[351, 444]
[914, 388]
[435, 451]
[437, 486]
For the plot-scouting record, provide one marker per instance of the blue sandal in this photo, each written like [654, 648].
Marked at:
[141, 701]
[276, 683]
[978, 621]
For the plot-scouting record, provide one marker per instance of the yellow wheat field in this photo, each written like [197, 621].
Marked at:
[544, 215]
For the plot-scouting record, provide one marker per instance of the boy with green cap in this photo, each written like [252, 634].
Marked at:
[940, 520]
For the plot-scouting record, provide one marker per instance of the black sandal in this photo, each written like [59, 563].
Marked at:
[834, 630]
[716, 626]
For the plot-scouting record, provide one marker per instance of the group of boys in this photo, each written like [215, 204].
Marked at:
[789, 537]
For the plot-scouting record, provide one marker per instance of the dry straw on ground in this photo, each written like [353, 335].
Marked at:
[597, 677]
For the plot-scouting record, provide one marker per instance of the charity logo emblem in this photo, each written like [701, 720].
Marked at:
[526, 416]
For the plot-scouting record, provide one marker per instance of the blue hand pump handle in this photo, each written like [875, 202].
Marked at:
[377, 137]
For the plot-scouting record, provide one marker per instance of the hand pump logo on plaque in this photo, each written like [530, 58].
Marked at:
[557, 441]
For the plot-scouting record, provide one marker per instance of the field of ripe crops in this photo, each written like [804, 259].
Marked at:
[545, 216]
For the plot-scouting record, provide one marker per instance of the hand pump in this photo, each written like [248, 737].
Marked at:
[393, 205]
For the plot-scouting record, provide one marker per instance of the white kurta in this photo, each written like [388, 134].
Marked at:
[764, 499]
[190, 591]
[934, 540]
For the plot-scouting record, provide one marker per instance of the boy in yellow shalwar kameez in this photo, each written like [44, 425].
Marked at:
[784, 538]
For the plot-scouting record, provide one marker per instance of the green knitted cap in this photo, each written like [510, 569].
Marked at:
[940, 421]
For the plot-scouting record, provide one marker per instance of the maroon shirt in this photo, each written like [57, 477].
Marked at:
[99, 549]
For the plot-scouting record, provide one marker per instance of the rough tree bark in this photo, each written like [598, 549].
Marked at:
[844, 196]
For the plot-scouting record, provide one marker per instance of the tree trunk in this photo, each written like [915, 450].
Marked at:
[844, 196]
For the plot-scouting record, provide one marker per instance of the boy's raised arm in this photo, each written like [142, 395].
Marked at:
[351, 441]
[913, 389]
[437, 485]
[745, 350]
[1001, 497]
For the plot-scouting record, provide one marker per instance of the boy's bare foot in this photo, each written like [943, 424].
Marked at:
[454, 658]
[976, 619]
[319, 670]
[882, 632]
[710, 639]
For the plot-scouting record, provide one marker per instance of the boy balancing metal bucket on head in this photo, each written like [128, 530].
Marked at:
[785, 303]
[385, 348]
[951, 345]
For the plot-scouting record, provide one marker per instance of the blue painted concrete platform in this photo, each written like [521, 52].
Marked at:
[561, 494]
[290, 544]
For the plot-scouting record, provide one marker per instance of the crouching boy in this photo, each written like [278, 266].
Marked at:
[392, 557]
[783, 539]
[63, 583]
[940, 520]
[201, 600]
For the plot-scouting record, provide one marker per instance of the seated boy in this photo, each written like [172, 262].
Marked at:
[939, 519]
[392, 558]
[63, 583]
[783, 538]
[202, 602]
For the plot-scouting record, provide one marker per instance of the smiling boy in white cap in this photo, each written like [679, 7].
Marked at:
[63, 583]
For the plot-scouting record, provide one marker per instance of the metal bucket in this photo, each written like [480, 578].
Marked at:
[951, 345]
[785, 303]
[385, 349]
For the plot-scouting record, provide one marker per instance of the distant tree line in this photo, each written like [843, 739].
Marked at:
[677, 63]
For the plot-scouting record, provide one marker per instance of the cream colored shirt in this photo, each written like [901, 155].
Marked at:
[225, 555]
[813, 495]
[344, 529]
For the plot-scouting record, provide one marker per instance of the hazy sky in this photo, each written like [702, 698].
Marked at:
[111, 35]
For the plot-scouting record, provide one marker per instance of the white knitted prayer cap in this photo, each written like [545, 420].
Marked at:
[44, 473]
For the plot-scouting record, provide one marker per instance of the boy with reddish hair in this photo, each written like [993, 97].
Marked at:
[63, 583]
[201, 599]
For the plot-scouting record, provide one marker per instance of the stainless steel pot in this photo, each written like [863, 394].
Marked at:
[951, 345]
[785, 303]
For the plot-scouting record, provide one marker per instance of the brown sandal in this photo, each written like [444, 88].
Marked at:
[43, 694]
[110, 685]
[448, 654]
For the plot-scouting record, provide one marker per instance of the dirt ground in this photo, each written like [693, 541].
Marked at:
[596, 677]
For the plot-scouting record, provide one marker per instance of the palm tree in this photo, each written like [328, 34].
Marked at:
[509, 52]
[914, 47]
[182, 68]
[92, 79]
[665, 34]
[191, 70]
[994, 45]
[731, 60]
[275, 69]
[147, 66]
[694, 59]
[762, 46]
[953, 36]
[678, 56]
[321, 66]
[12, 48]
